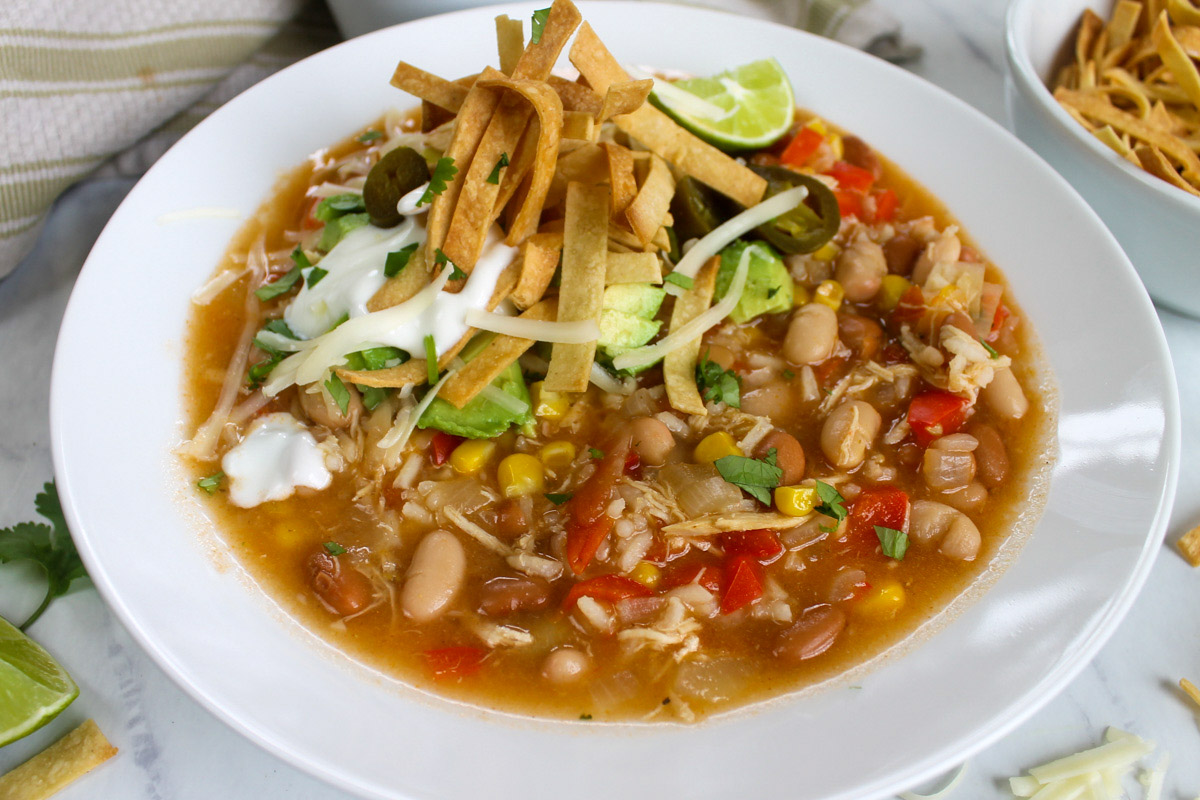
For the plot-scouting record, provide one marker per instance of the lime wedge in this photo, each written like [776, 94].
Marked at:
[743, 108]
[33, 687]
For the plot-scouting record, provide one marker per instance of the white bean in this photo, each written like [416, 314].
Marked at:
[848, 433]
[812, 334]
[565, 665]
[953, 531]
[1005, 396]
[860, 269]
[434, 576]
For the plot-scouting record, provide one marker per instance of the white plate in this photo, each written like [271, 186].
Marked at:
[115, 412]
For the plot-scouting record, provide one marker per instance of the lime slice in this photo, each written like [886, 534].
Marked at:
[743, 108]
[33, 687]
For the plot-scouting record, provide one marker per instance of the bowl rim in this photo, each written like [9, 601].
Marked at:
[1030, 84]
[931, 764]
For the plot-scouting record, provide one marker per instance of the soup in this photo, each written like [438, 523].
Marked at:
[586, 453]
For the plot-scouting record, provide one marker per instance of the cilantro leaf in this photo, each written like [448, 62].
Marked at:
[399, 259]
[680, 280]
[314, 277]
[756, 476]
[441, 259]
[831, 502]
[339, 392]
[211, 483]
[369, 136]
[894, 542]
[431, 359]
[595, 452]
[334, 549]
[382, 357]
[331, 208]
[494, 178]
[300, 259]
[717, 384]
[539, 25]
[280, 285]
[372, 396]
[444, 171]
[558, 498]
[280, 327]
[49, 546]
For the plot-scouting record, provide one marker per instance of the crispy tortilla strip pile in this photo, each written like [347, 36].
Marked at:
[1133, 83]
[59, 765]
[578, 172]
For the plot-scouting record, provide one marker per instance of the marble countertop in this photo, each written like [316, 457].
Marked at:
[172, 749]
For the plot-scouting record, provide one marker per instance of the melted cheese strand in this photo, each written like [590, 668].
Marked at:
[576, 332]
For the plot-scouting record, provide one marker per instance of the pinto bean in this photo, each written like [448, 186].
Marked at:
[861, 334]
[511, 519]
[507, 595]
[565, 665]
[848, 433]
[991, 457]
[434, 577]
[328, 414]
[814, 633]
[340, 588]
[901, 253]
[774, 400]
[860, 154]
[789, 455]
[860, 269]
[812, 334]
[652, 440]
[1005, 396]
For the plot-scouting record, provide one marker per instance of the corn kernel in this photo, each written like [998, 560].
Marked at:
[881, 602]
[839, 149]
[800, 295]
[547, 404]
[829, 293]
[646, 574]
[891, 290]
[716, 445]
[557, 454]
[520, 474]
[795, 501]
[827, 252]
[818, 125]
[471, 456]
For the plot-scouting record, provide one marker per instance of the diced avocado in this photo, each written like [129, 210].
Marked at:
[481, 418]
[338, 227]
[639, 299]
[619, 329]
[768, 282]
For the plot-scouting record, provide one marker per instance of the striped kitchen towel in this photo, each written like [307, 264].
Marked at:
[114, 83]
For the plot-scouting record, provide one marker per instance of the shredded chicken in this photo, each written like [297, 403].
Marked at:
[972, 366]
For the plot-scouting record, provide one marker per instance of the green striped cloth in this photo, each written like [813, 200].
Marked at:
[110, 84]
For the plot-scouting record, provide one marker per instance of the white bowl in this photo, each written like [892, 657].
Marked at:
[1157, 224]
[116, 415]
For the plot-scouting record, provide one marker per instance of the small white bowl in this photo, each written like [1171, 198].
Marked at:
[1157, 224]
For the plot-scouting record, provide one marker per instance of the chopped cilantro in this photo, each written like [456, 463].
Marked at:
[334, 549]
[339, 392]
[680, 280]
[494, 178]
[300, 259]
[535, 36]
[444, 171]
[399, 259]
[48, 546]
[370, 136]
[382, 357]
[331, 208]
[893, 542]
[773, 291]
[211, 483]
[831, 504]
[991, 350]
[280, 327]
[788, 374]
[757, 476]
[280, 285]
[431, 359]
[314, 277]
[585, 717]
[440, 259]
[372, 396]
[595, 453]
[718, 385]
[558, 498]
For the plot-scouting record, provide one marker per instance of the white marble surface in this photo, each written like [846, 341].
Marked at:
[174, 750]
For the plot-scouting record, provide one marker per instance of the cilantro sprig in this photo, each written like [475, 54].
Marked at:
[831, 504]
[494, 178]
[717, 384]
[431, 359]
[339, 392]
[756, 476]
[48, 546]
[370, 136]
[539, 24]
[443, 172]
[398, 260]
[334, 549]
[211, 483]
[440, 259]
[558, 498]
[893, 542]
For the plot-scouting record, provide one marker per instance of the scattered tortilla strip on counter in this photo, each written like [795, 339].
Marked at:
[1190, 690]
[539, 256]
[501, 351]
[650, 207]
[743, 521]
[679, 366]
[59, 765]
[1189, 546]
[510, 42]
[429, 87]
[581, 293]
[633, 268]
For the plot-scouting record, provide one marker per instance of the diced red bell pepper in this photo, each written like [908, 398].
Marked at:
[887, 506]
[825, 370]
[886, 204]
[609, 588]
[849, 203]
[680, 574]
[761, 545]
[743, 583]
[936, 413]
[633, 463]
[911, 306]
[998, 320]
[454, 662]
[851, 177]
[801, 148]
[442, 446]
[587, 520]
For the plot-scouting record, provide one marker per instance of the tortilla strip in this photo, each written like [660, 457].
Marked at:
[520, 162]
[621, 236]
[581, 293]
[429, 87]
[632, 268]
[1176, 60]
[539, 256]
[620, 177]
[578, 125]
[1090, 27]
[1123, 23]
[59, 765]
[501, 351]
[469, 128]
[412, 279]
[538, 59]
[1116, 144]
[1093, 106]
[549, 113]
[1189, 39]
[624, 98]
[575, 96]
[510, 42]
[679, 367]
[744, 521]
[659, 133]
[1183, 12]
[1153, 161]
[646, 213]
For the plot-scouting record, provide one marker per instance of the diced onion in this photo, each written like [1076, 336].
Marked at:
[734, 227]
[942, 793]
[513, 405]
[215, 285]
[699, 490]
[577, 332]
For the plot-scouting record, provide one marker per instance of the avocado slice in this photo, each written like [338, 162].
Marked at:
[481, 418]
[769, 285]
[639, 299]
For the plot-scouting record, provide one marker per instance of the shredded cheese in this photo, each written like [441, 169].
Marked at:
[1094, 773]
[734, 227]
[607, 383]
[576, 332]
[494, 394]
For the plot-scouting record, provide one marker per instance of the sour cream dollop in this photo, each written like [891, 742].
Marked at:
[277, 456]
